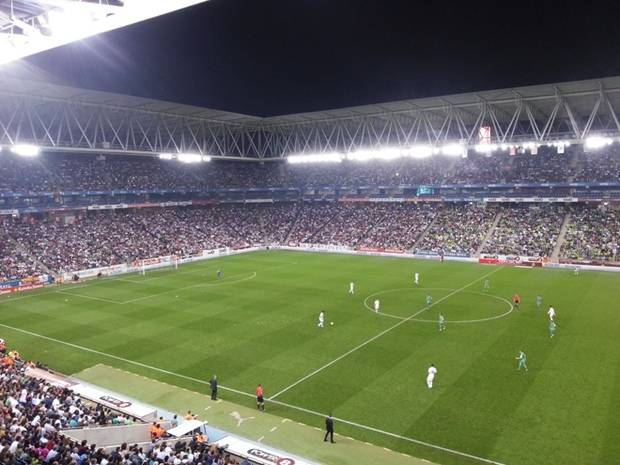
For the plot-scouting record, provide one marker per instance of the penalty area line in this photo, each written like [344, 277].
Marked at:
[246, 394]
[377, 336]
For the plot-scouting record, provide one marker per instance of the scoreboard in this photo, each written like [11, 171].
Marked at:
[425, 190]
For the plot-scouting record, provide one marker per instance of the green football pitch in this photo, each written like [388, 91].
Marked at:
[258, 324]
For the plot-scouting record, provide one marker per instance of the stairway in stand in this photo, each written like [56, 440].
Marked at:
[558, 245]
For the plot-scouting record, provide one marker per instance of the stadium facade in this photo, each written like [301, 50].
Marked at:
[531, 172]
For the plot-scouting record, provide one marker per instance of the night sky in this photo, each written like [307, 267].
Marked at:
[270, 57]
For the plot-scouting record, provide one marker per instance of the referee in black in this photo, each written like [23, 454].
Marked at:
[329, 428]
[213, 384]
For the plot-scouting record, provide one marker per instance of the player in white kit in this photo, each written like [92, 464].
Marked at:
[321, 319]
[551, 313]
[351, 287]
[432, 371]
[377, 305]
[416, 278]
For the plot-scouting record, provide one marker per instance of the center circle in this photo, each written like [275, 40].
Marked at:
[406, 303]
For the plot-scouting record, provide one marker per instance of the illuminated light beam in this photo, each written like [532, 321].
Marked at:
[25, 150]
[315, 158]
[597, 142]
[94, 18]
[454, 150]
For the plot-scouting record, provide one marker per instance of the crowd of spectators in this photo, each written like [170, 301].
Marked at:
[400, 226]
[33, 413]
[311, 219]
[592, 234]
[458, 229]
[107, 238]
[352, 224]
[69, 173]
[597, 166]
[527, 230]
[14, 261]
[37, 245]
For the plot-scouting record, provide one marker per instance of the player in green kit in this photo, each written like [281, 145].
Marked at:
[442, 323]
[538, 301]
[429, 300]
[552, 328]
[522, 360]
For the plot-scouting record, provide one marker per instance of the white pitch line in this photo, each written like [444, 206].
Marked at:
[246, 394]
[116, 357]
[9, 299]
[221, 283]
[374, 338]
[101, 299]
[108, 279]
[420, 320]
[387, 433]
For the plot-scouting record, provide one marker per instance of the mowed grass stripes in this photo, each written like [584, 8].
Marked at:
[258, 325]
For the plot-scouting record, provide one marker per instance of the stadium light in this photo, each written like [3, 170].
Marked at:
[332, 157]
[486, 148]
[386, 153]
[24, 150]
[454, 150]
[166, 156]
[189, 158]
[420, 151]
[597, 142]
[52, 23]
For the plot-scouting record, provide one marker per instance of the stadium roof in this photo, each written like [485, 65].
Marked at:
[542, 96]
[63, 118]
[46, 91]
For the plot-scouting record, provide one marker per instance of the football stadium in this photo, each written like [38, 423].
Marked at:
[432, 280]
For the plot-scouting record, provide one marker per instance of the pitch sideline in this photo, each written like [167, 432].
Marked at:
[246, 394]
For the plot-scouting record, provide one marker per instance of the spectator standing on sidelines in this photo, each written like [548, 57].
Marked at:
[329, 428]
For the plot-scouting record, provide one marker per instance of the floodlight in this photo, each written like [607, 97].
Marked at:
[25, 150]
[485, 148]
[597, 142]
[206, 158]
[332, 157]
[453, 150]
[421, 151]
[52, 23]
[385, 153]
[166, 156]
[189, 157]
